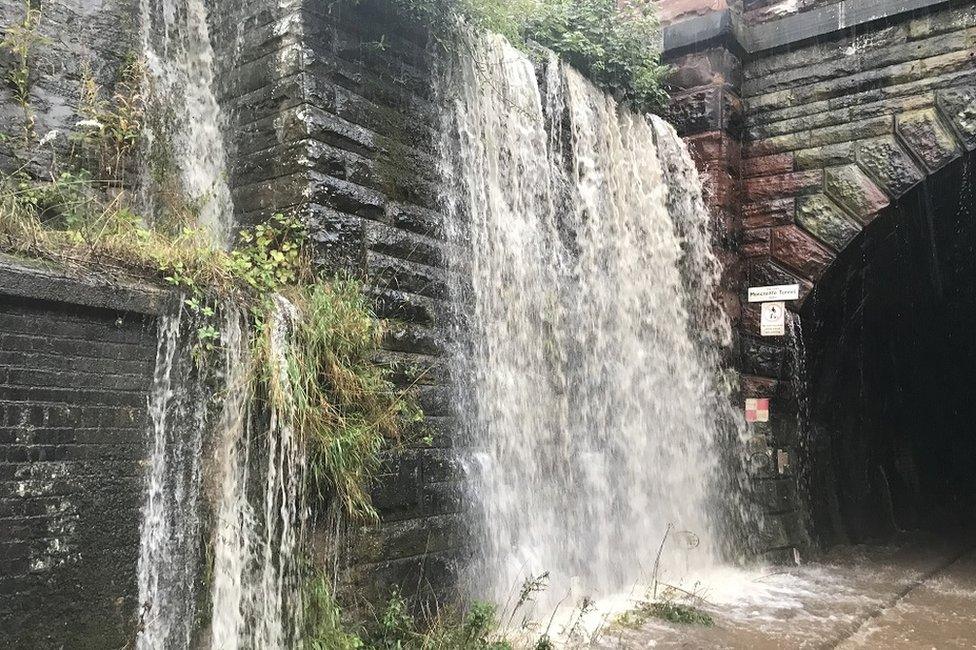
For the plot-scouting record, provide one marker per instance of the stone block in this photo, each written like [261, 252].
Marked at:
[765, 214]
[768, 165]
[783, 185]
[755, 243]
[959, 107]
[763, 358]
[826, 221]
[889, 164]
[709, 108]
[714, 148]
[753, 386]
[671, 11]
[928, 138]
[851, 188]
[796, 250]
[714, 66]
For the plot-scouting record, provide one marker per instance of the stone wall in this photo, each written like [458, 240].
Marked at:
[76, 360]
[803, 143]
[332, 116]
[73, 35]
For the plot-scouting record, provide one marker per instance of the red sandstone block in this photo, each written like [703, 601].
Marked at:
[720, 187]
[715, 147]
[706, 147]
[755, 243]
[753, 386]
[796, 250]
[781, 163]
[783, 185]
[766, 214]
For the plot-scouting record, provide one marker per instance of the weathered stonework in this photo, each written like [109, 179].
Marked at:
[325, 124]
[841, 114]
[826, 221]
[851, 188]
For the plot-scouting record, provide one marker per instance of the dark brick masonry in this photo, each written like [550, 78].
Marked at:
[73, 386]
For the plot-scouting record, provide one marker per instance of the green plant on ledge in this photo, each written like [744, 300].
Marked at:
[344, 406]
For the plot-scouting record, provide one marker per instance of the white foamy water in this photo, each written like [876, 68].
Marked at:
[180, 59]
[169, 541]
[587, 335]
[260, 518]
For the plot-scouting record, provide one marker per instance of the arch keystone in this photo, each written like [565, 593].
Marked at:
[889, 164]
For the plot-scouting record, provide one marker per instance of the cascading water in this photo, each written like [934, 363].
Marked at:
[168, 559]
[180, 59]
[255, 592]
[259, 508]
[588, 334]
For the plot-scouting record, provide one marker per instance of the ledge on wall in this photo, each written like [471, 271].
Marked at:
[686, 29]
[43, 280]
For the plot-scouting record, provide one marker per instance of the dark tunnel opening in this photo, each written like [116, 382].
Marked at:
[891, 366]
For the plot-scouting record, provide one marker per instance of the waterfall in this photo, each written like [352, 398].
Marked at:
[168, 558]
[588, 337]
[180, 60]
[255, 592]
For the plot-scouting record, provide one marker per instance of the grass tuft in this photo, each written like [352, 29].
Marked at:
[669, 611]
[343, 405]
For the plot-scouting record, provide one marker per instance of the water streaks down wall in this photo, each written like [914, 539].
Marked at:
[589, 336]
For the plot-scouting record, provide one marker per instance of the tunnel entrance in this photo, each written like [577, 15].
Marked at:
[890, 337]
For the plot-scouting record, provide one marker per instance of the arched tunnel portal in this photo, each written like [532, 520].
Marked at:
[890, 347]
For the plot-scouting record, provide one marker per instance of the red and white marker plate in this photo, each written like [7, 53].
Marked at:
[757, 409]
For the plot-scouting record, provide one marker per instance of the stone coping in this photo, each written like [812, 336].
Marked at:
[687, 34]
[44, 280]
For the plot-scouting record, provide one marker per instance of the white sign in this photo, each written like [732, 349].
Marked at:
[774, 294]
[773, 319]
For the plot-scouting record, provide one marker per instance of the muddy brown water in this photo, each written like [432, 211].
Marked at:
[919, 592]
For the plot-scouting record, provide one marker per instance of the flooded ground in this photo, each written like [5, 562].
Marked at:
[917, 593]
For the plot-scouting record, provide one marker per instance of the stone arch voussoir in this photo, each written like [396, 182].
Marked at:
[833, 203]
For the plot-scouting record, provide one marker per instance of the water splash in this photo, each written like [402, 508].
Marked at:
[589, 403]
[168, 558]
[180, 59]
[255, 589]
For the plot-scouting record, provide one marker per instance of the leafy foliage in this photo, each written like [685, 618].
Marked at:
[394, 627]
[343, 405]
[610, 41]
[112, 126]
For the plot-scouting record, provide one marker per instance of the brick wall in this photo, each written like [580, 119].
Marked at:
[73, 384]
